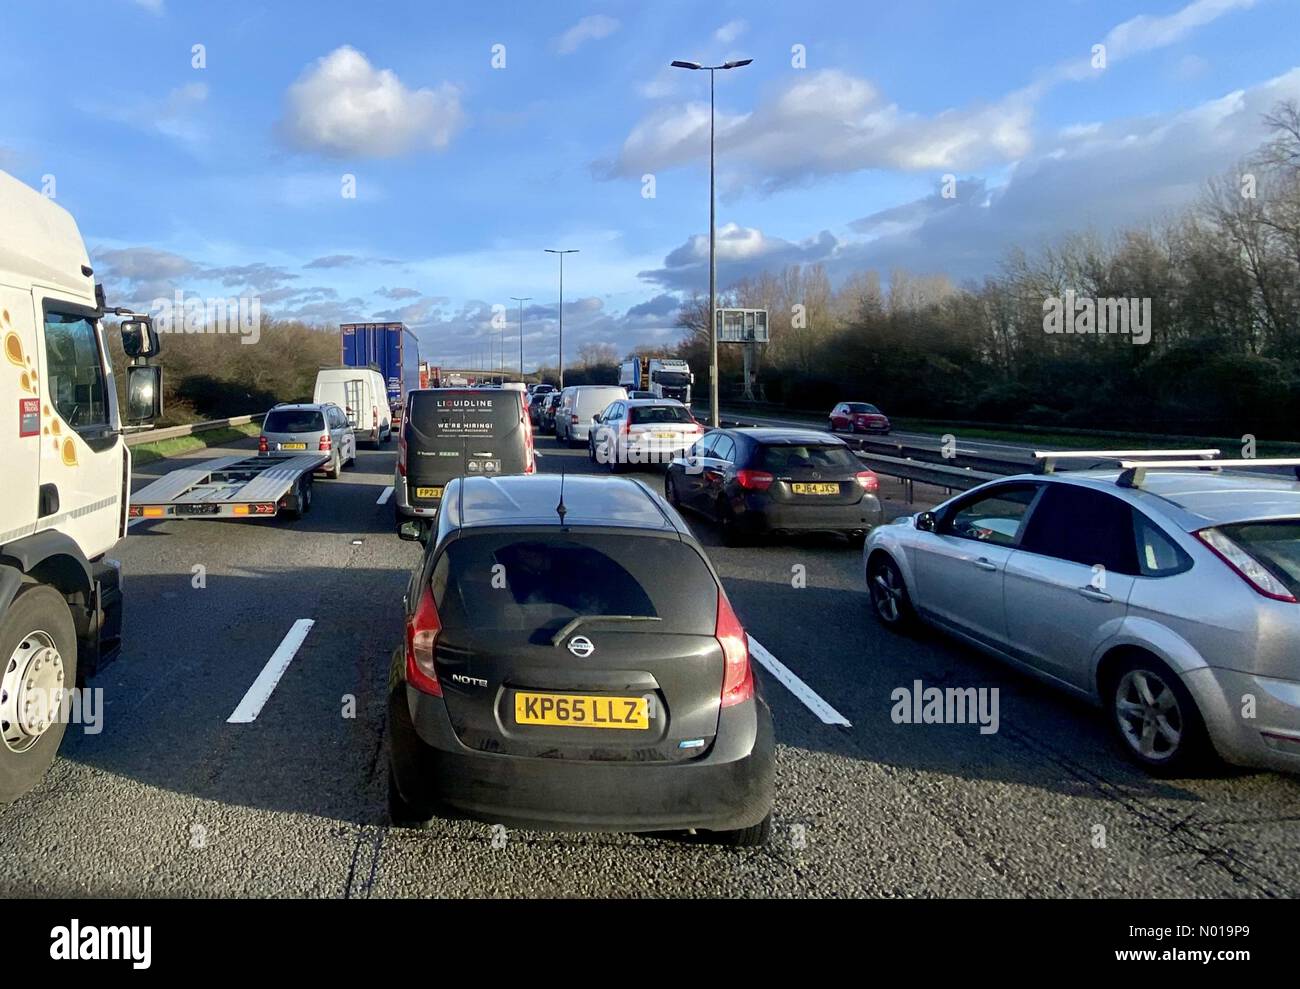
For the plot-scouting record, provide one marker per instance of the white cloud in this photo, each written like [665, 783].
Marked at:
[828, 122]
[153, 6]
[345, 107]
[730, 31]
[591, 28]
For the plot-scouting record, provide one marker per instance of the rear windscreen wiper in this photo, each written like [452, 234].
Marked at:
[573, 623]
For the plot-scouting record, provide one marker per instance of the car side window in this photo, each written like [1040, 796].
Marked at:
[704, 448]
[75, 372]
[995, 516]
[1083, 526]
[1158, 555]
[724, 449]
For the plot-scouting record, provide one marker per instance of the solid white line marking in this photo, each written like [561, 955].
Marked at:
[383, 498]
[260, 692]
[809, 697]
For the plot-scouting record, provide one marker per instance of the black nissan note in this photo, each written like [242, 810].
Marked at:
[571, 662]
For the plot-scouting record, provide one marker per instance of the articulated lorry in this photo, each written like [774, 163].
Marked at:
[66, 475]
[663, 377]
[391, 349]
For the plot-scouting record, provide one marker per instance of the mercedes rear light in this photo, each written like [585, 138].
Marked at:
[868, 480]
[737, 676]
[1244, 564]
[422, 630]
[754, 480]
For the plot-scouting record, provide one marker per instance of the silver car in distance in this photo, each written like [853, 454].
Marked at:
[1164, 591]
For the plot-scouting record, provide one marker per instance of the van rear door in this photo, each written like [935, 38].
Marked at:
[454, 432]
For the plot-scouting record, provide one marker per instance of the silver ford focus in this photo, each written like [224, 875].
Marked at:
[1165, 593]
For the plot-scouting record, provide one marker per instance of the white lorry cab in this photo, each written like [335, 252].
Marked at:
[66, 475]
[362, 395]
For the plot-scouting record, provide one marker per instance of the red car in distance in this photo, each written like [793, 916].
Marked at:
[858, 417]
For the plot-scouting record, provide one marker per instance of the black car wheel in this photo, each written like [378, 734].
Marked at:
[751, 837]
[670, 490]
[727, 522]
[1155, 718]
[889, 597]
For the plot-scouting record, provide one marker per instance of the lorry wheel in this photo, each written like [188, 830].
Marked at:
[38, 647]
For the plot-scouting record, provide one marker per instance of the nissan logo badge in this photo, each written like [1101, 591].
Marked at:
[581, 646]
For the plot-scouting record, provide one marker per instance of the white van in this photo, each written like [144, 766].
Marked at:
[578, 403]
[362, 395]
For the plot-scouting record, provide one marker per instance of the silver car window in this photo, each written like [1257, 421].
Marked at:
[994, 517]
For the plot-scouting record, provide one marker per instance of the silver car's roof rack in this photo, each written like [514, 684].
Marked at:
[1048, 458]
[1133, 472]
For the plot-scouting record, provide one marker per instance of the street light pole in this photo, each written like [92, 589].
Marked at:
[714, 416]
[561, 254]
[521, 302]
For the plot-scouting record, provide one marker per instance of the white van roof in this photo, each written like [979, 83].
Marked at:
[40, 242]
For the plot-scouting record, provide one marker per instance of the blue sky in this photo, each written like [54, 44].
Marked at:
[227, 179]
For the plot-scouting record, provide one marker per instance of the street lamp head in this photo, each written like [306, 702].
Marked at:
[551, 250]
[737, 64]
[677, 63]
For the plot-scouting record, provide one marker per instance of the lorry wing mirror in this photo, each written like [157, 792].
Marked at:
[143, 392]
[139, 339]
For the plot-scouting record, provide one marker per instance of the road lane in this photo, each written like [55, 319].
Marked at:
[171, 800]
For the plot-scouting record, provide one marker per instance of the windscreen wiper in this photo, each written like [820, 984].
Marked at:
[574, 623]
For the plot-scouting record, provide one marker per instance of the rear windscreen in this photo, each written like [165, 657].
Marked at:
[533, 581]
[1274, 544]
[659, 413]
[784, 458]
[288, 421]
[465, 413]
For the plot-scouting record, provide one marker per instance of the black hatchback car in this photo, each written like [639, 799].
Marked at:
[572, 663]
[755, 481]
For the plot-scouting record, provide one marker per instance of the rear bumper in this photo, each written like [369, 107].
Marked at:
[1268, 740]
[729, 788]
[764, 515]
[403, 503]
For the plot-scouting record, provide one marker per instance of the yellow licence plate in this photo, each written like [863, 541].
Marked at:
[579, 711]
[428, 492]
[665, 436]
[816, 489]
[293, 446]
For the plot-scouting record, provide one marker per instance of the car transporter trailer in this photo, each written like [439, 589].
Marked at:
[237, 487]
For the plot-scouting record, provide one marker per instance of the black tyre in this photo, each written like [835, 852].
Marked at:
[591, 451]
[670, 491]
[1155, 720]
[38, 650]
[335, 467]
[729, 527]
[751, 837]
[889, 598]
[404, 764]
[303, 496]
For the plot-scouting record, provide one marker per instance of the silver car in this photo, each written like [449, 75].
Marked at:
[319, 426]
[1166, 595]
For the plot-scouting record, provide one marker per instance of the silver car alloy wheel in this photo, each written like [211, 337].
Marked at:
[31, 690]
[887, 593]
[1149, 715]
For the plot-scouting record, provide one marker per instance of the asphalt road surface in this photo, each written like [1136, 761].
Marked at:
[172, 799]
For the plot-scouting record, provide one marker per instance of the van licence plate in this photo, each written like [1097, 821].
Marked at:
[429, 492]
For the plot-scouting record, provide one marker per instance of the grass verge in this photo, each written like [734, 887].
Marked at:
[147, 453]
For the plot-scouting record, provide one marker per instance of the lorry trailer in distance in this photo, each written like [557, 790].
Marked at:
[389, 347]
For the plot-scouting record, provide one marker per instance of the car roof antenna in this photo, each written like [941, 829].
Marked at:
[560, 510]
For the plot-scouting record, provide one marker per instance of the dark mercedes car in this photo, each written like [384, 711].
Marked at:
[572, 662]
[775, 481]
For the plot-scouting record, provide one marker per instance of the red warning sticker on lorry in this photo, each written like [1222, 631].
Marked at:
[29, 417]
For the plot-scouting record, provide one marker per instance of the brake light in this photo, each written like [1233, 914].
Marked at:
[573, 417]
[754, 480]
[737, 676]
[422, 630]
[262, 445]
[325, 443]
[530, 467]
[1246, 566]
[374, 416]
[401, 453]
[870, 483]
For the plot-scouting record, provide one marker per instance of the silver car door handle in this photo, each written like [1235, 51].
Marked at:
[985, 564]
[1092, 594]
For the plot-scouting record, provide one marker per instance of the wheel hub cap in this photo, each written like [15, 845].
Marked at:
[31, 691]
[1149, 715]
